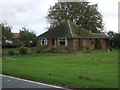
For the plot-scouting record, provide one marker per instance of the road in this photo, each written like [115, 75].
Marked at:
[12, 82]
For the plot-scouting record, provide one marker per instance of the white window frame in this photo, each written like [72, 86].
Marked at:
[60, 39]
[45, 41]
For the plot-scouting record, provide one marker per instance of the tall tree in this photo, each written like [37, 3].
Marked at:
[6, 31]
[79, 12]
[114, 39]
[110, 34]
[26, 36]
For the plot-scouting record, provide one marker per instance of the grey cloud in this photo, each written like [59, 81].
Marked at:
[31, 13]
[28, 13]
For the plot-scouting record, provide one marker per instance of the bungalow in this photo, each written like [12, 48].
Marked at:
[68, 34]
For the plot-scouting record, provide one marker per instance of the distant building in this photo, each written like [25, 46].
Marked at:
[9, 41]
[4, 41]
[16, 37]
[68, 34]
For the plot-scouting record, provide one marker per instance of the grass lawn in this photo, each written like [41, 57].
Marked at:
[93, 69]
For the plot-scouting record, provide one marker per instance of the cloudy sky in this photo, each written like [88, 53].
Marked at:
[31, 14]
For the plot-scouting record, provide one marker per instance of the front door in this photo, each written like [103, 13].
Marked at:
[54, 42]
[97, 44]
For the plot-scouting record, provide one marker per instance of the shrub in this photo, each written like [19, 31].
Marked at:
[31, 45]
[11, 45]
[55, 50]
[59, 50]
[40, 49]
[11, 52]
[44, 49]
[62, 50]
[23, 50]
[48, 50]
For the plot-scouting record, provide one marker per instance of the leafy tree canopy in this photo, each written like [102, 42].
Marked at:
[26, 36]
[6, 31]
[114, 39]
[79, 12]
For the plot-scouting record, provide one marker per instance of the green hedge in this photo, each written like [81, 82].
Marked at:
[12, 45]
[51, 50]
[23, 50]
[11, 52]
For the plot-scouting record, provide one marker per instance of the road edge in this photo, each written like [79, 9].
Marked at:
[35, 82]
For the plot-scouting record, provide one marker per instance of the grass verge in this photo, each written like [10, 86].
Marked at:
[93, 69]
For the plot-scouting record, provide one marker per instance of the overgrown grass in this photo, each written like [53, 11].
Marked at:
[93, 69]
[31, 51]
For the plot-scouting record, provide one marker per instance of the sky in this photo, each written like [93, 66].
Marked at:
[32, 14]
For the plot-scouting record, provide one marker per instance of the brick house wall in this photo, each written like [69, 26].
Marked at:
[72, 44]
[103, 44]
[49, 42]
[86, 44]
[75, 44]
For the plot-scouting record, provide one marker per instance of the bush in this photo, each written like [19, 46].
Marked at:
[62, 50]
[59, 50]
[11, 52]
[51, 50]
[23, 50]
[11, 45]
[40, 49]
[31, 45]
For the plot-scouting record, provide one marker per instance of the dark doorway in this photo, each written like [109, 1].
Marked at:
[97, 44]
[53, 42]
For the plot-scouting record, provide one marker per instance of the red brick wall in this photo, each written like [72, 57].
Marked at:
[90, 46]
[70, 44]
[49, 42]
[103, 43]
[75, 44]
[86, 44]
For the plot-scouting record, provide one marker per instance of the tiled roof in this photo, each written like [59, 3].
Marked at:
[69, 29]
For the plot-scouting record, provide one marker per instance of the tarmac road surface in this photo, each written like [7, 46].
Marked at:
[12, 82]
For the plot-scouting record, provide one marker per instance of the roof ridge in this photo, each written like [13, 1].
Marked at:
[70, 28]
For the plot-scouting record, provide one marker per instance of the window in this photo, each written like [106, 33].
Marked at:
[43, 41]
[62, 41]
